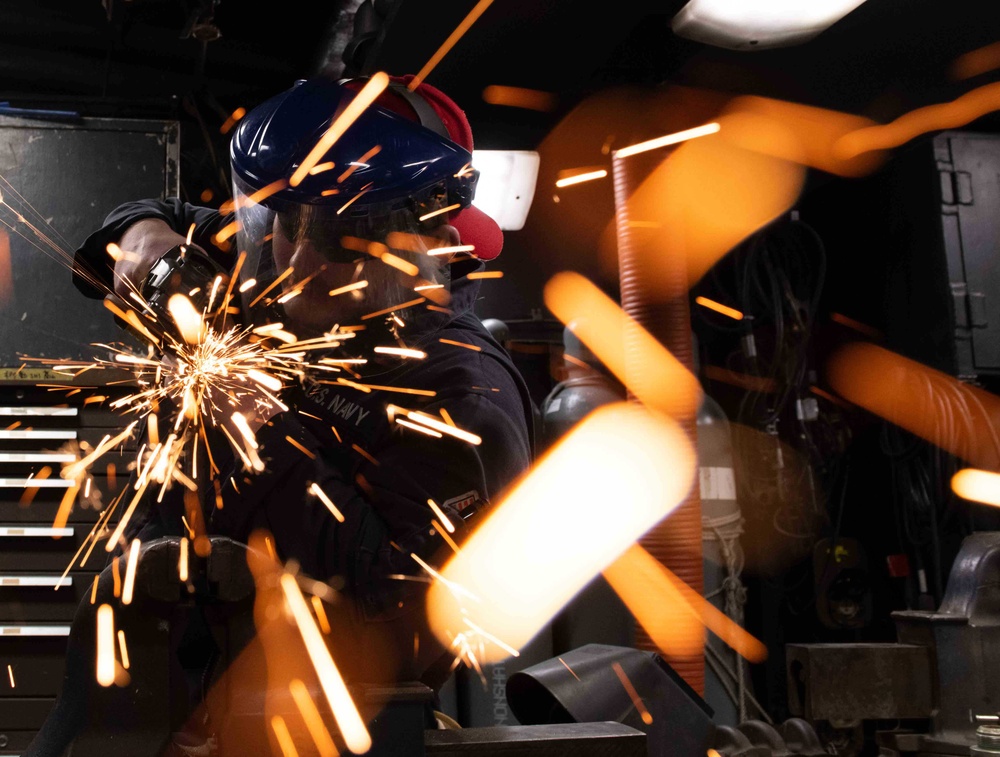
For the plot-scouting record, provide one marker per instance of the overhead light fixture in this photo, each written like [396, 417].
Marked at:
[757, 25]
[506, 185]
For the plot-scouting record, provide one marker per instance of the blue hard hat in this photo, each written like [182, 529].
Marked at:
[382, 159]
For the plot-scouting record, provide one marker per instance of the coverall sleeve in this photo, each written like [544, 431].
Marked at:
[93, 267]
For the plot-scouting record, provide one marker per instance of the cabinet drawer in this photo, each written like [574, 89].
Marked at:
[31, 597]
[44, 505]
[38, 664]
[32, 547]
[15, 742]
[22, 713]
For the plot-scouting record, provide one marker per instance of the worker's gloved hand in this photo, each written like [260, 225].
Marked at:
[142, 244]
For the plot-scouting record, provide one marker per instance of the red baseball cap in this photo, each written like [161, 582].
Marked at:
[474, 226]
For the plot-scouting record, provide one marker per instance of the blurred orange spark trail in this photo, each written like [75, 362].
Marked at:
[520, 97]
[977, 485]
[957, 417]
[618, 445]
[673, 613]
[951, 115]
[314, 721]
[345, 712]
[283, 736]
[665, 384]
[976, 62]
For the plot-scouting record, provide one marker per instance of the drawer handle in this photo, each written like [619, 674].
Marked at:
[34, 631]
[10, 581]
[49, 411]
[39, 433]
[37, 457]
[39, 483]
[16, 531]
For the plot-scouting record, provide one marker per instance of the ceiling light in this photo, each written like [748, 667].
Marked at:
[744, 25]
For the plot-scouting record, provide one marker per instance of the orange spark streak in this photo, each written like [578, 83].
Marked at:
[365, 97]
[300, 448]
[401, 306]
[669, 139]
[418, 427]
[441, 516]
[633, 694]
[359, 163]
[349, 288]
[284, 275]
[123, 648]
[182, 560]
[444, 535]
[439, 211]
[572, 673]
[93, 591]
[314, 721]
[283, 736]
[346, 714]
[718, 307]
[461, 344]
[581, 177]
[322, 497]
[324, 622]
[130, 567]
[449, 43]
[485, 275]
[978, 485]
[401, 352]
[65, 507]
[105, 645]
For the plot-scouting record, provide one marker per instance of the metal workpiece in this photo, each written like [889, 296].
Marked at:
[859, 681]
[940, 670]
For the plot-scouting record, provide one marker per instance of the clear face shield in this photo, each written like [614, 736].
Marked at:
[316, 267]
